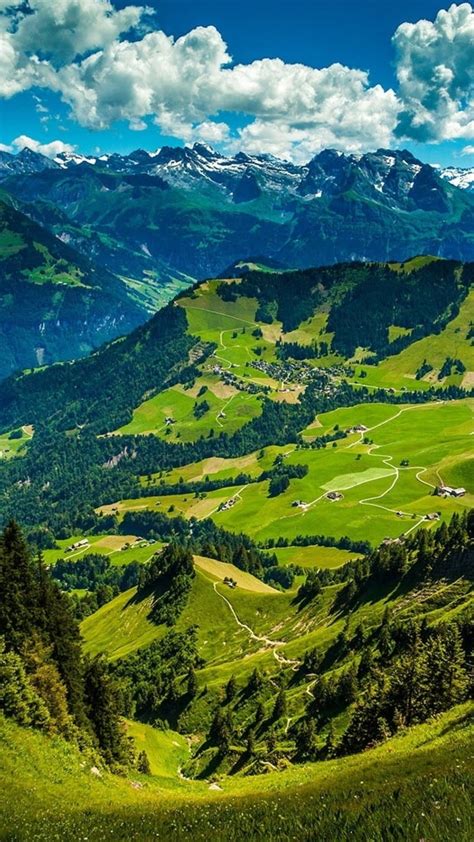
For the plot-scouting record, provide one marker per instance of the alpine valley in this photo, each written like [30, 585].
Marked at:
[239, 604]
[91, 246]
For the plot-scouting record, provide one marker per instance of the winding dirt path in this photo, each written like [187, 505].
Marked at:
[253, 636]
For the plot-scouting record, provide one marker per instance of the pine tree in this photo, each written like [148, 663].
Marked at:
[259, 712]
[255, 682]
[102, 699]
[192, 683]
[280, 707]
[271, 742]
[231, 689]
[306, 739]
[18, 698]
[143, 763]
[250, 750]
[63, 633]
[18, 589]
[446, 668]
[330, 744]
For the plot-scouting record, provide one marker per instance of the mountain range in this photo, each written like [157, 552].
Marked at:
[146, 225]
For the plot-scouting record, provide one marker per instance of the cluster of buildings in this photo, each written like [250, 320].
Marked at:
[448, 491]
[231, 379]
[298, 372]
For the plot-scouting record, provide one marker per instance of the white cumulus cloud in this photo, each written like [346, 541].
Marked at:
[81, 50]
[182, 83]
[68, 28]
[435, 70]
[49, 149]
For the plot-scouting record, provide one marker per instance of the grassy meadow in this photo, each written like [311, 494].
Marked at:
[386, 474]
[418, 785]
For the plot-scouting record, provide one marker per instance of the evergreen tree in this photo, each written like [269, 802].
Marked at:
[192, 683]
[306, 739]
[102, 698]
[18, 588]
[446, 668]
[231, 689]
[280, 707]
[143, 763]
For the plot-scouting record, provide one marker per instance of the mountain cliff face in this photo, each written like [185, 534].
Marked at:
[54, 304]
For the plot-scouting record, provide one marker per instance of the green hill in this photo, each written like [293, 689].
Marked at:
[275, 567]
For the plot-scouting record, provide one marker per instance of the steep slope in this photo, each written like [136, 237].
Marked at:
[418, 783]
[55, 305]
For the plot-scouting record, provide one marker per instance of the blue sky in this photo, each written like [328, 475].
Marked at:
[107, 109]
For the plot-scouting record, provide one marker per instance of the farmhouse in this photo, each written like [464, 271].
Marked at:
[359, 428]
[334, 496]
[227, 505]
[432, 516]
[448, 491]
[78, 545]
[231, 583]
[169, 421]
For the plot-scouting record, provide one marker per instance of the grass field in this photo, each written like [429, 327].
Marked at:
[166, 750]
[386, 475]
[228, 410]
[416, 786]
[218, 570]
[123, 625]
[217, 467]
[325, 558]
[119, 548]
[10, 447]
[399, 370]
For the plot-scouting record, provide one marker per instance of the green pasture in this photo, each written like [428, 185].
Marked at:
[313, 557]
[228, 410]
[419, 782]
[123, 625]
[399, 371]
[217, 467]
[118, 547]
[166, 750]
[10, 447]
[426, 437]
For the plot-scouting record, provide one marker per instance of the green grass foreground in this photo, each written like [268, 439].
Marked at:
[417, 786]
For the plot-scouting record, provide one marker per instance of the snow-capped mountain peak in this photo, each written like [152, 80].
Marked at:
[462, 177]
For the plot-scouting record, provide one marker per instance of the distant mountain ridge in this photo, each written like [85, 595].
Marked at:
[194, 211]
[181, 164]
[150, 224]
[54, 303]
[202, 160]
